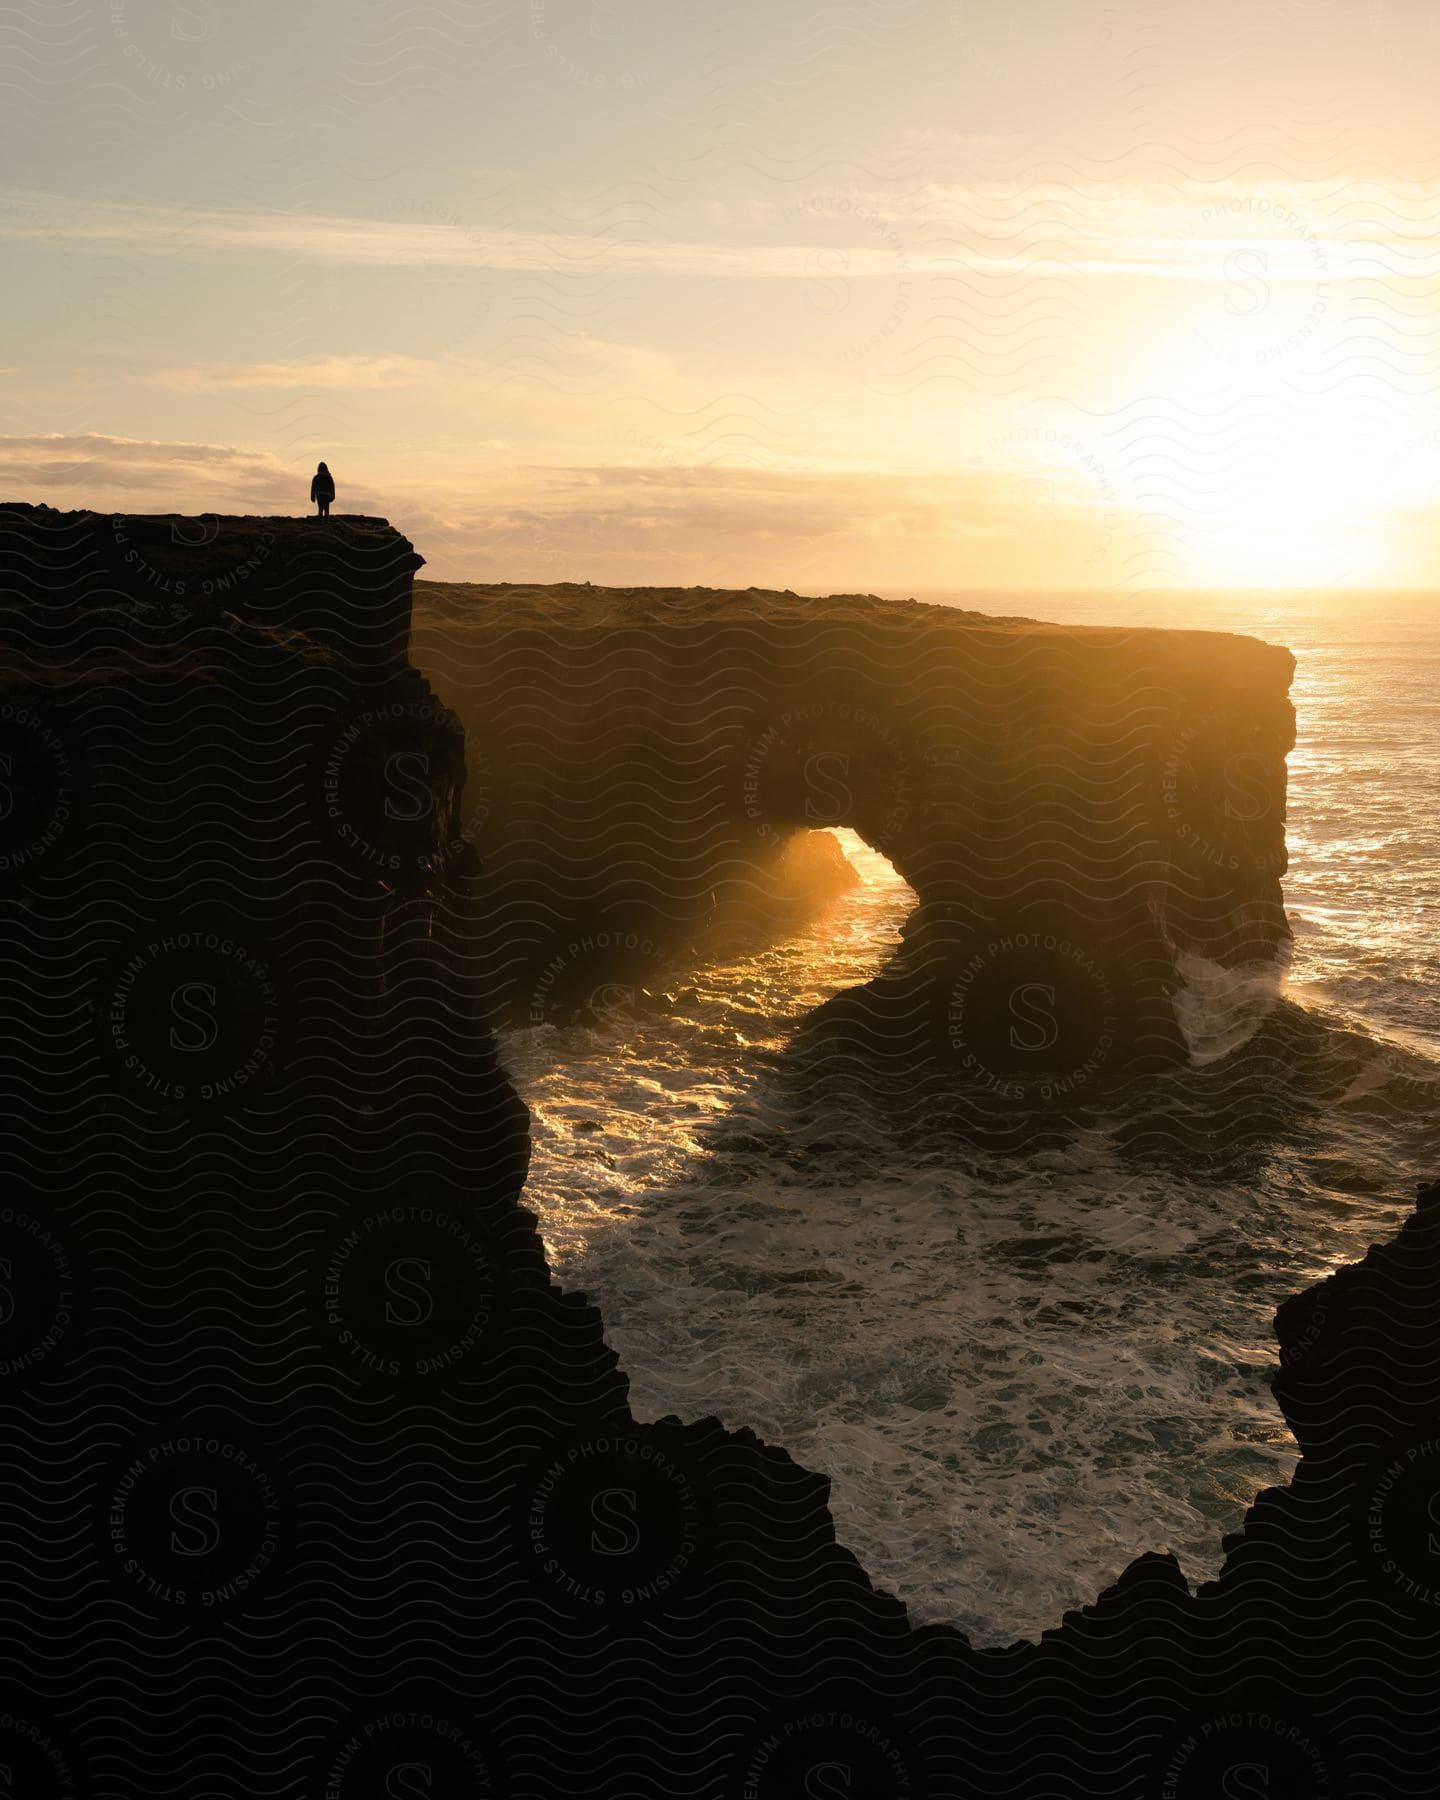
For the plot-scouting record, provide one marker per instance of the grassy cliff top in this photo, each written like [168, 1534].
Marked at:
[532, 605]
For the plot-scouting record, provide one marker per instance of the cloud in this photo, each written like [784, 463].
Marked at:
[91, 469]
[393, 243]
[726, 526]
[705, 524]
[950, 229]
[318, 372]
[60, 446]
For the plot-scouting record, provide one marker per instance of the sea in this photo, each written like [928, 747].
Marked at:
[1021, 1365]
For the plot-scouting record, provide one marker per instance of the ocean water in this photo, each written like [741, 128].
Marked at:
[1023, 1366]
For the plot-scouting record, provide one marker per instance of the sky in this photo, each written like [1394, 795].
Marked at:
[889, 294]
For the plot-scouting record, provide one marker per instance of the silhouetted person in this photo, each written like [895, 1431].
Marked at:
[322, 490]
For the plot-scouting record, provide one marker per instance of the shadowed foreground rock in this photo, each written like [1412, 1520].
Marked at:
[314, 1484]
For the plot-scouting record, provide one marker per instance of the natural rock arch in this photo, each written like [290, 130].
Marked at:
[1074, 807]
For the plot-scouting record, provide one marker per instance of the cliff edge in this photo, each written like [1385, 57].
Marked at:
[315, 1484]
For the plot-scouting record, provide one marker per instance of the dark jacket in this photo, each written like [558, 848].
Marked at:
[323, 486]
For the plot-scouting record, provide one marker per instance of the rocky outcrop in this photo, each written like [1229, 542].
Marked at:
[315, 1485]
[346, 583]
[1073, 807]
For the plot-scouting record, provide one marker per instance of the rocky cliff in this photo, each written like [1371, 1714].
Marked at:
[1072, 807]
[315, 1485]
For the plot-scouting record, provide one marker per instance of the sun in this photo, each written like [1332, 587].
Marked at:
[1265, 481]
[1297, 520]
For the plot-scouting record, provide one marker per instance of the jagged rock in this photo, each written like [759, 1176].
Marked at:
[314, 1483]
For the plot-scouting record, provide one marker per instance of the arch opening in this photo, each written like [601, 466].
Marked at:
[627, 1091]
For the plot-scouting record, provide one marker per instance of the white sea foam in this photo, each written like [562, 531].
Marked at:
[1019, 1372]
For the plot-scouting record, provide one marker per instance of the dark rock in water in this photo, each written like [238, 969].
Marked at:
[316, 1485]
[1072, 806]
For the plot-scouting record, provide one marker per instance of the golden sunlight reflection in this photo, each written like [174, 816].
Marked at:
[629, 1107]
[872, 868]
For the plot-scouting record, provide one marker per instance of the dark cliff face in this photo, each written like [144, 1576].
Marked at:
[1070, 806]
[345, 584]
[315, 1484]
